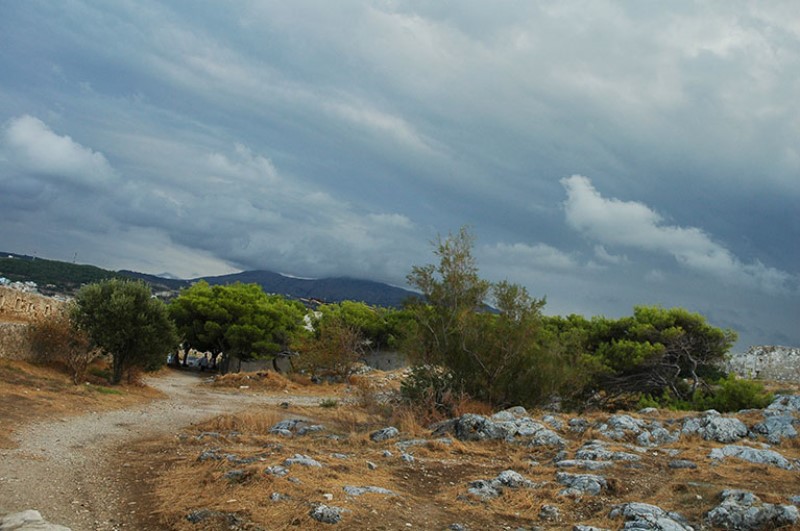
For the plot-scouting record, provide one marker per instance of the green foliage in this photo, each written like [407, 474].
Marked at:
[381, 328]
[332, 350]
[649, 353]
[329, 403]
[432, 386]
[502, 358]
[729, 394]
[63, 276]
[122, 319]
[236, 320]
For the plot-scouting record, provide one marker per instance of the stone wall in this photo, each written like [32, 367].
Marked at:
[767, 363]
[17, 310]
[20, 306]
[14, 341]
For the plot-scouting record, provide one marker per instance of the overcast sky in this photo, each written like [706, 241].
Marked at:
[604, 154]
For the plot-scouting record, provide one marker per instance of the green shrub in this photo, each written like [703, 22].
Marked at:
[329, 403]
[728, 394]
[733, 394]
[429, 386]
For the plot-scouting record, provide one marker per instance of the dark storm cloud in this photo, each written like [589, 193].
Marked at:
[322, 138]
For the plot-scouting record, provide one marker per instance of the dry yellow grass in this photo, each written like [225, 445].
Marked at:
[29, 393]
[431, 490]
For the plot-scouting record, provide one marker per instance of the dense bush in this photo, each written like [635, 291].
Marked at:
[728, 394]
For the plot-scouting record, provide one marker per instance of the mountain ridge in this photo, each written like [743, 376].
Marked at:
[67, 277]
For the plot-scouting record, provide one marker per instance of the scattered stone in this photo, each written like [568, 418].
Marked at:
[302, 459]
[236, 476]
[714, 427]
[457, 527]
[505, 425]
[340, 456]
[597, 451]
[580, 527]
[492, 488]
[785, 404]
[586, 464]
[230, 520]
[795, 500]
[328, 496]
[210, 455]
[359, 491]
[387, 453]
[753, 455]
[277, 497]
[553, 422]
[550, 513]
[646, 517]
[276, 470]
[656, 435]
[209, 434]
[682, 463]
[776, 427]
[580, 484]
[305, 430]
[648, 411]
[617, 427]
[371, 465]
[407, 458]
[743, 510]
[385, 434]
[578, 425]
[29, 520]
[327, 514]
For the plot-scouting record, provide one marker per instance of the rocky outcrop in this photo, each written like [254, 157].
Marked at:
[29, 520]
[752, 455]
[492, 488]
[646, 517]
[714, 427]
[744, 511]
[767, 362]
[510, 425]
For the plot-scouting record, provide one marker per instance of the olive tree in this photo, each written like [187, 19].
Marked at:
[123, 320]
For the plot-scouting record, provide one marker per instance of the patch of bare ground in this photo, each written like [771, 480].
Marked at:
[32, 393]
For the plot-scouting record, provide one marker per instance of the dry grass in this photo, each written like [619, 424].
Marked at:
[30, 393]
[431, 490]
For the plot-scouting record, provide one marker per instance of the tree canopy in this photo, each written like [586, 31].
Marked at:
[122, 319]
[236, 320]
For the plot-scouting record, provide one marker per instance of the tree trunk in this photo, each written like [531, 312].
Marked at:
[117, 368]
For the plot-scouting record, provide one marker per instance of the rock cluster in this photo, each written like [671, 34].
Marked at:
[743, 510]
[29, 520]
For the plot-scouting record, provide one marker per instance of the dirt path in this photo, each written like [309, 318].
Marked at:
[69, 469]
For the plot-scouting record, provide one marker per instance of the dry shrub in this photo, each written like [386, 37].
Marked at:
[262, 380]
[252, 421]
[55, 341]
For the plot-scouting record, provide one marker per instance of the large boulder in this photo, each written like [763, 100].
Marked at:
[646, 517]
[581, 484]
[29, 520]
[506, 425]
[714, 427]
[776, 427]
[743, 511]
[753, 455]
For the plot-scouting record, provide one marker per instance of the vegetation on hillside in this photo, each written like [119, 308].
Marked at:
[53, 275]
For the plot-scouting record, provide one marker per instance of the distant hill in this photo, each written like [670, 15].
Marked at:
[54, 276]
[326, 289]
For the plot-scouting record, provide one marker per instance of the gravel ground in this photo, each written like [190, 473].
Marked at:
[68, 468]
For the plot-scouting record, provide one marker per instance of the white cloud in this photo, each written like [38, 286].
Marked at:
[634, 224]
[604, 256]
[539, 256]
[31, 146]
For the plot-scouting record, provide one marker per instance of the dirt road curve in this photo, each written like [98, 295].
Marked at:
[68, 469]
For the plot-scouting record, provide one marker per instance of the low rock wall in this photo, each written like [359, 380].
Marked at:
[17, 310]
[767, 363]
[21, 306]
[14, 343]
